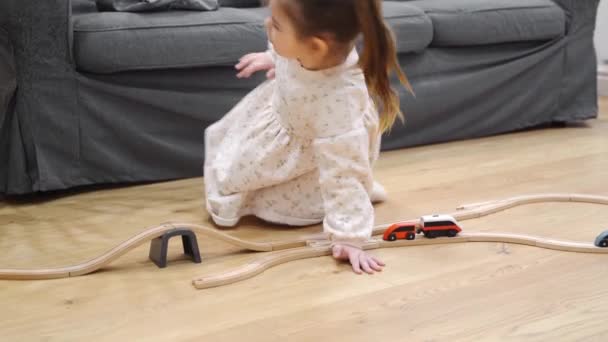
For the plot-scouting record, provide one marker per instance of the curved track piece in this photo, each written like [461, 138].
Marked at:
[259, 265]
[134, 242]
[265, 262]
[476, 210]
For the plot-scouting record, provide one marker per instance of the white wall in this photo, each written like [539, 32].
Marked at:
[601, 32]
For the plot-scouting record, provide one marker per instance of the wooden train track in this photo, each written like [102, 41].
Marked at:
[316, 245]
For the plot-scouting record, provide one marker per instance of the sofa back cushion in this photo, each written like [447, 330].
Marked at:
[143, 6]
[240, 3]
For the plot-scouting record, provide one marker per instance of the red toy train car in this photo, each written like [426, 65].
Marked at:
[431, 226]
[401, 230]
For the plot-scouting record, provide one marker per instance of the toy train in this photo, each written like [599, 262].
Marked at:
[431, 226]
[602, 239]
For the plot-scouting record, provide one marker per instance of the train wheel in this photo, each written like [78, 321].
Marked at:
[411, 236]
[604, 243]
[431, 234]
[392, 237]
[452, 232]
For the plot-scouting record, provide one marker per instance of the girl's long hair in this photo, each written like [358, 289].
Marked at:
[344, 21]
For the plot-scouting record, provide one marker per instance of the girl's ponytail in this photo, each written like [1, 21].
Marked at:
[379, 60]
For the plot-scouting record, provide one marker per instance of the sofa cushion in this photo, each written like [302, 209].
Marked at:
[109, 42]
[478, 22]
[412, 27]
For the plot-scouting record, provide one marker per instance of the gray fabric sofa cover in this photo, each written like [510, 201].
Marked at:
[125, 97]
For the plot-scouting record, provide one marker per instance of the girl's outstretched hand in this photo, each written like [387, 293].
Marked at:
[358, 258]
[254, 62]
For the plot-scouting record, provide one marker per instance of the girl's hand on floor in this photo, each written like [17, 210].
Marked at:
[254, 62]
[358, 258]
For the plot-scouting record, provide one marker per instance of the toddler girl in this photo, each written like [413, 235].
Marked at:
[299, 149]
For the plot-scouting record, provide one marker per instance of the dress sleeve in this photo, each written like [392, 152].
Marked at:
[345, 179]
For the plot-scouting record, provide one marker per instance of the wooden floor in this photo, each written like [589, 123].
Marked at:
[469, 292]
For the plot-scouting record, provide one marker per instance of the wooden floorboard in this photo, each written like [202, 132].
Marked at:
[468, 292]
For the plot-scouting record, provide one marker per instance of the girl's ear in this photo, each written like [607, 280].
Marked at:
[319, 46]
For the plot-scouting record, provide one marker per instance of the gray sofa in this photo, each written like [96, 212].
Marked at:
[90, 98]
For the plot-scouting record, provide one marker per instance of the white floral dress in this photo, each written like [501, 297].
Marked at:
[298, 150]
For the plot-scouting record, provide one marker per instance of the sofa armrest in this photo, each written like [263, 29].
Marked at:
[43, 112]
[41, 26]
[8, 84]
[579, 13]
[8, 78]
[578, 98]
